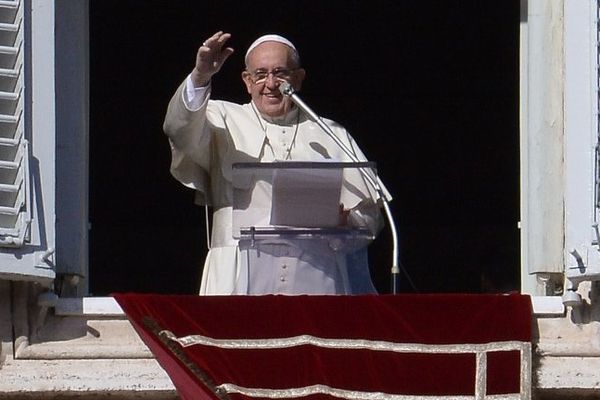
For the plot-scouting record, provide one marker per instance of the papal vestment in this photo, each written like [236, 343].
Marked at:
[207, 139]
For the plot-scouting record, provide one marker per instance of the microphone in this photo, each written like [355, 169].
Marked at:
[286, 89]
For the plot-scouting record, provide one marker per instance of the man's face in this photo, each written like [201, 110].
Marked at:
[268, 64]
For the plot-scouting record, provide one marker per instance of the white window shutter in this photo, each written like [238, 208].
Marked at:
[27, 140]
[580, 99]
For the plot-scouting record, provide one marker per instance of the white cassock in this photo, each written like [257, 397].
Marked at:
[207, 137]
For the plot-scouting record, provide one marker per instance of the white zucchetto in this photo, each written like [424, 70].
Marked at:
[269, 38]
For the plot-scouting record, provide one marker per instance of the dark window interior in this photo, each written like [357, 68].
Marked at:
[428, 89]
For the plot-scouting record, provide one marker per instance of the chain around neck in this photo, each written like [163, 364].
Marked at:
[263, 124]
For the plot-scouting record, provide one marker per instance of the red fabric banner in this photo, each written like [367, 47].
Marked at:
[452, 319]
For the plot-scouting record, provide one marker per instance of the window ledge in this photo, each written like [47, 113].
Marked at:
[547, 306]
[108, 306]
[88, 306]
[37, 378]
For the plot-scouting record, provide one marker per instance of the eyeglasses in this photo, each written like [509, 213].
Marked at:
[280, 74]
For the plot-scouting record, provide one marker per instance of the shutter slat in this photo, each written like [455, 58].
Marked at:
[11, 73]
[13, 119]
[9, 27]
[9, 50]
[11, 5]
[9, 96]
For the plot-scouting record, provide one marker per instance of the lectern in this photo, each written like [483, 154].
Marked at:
[325, 210]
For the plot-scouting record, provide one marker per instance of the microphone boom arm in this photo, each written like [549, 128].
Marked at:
[287, 90]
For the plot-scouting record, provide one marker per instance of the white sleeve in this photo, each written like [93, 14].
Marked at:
[194, 97]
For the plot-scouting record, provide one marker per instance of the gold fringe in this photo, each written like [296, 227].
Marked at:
[178, 352]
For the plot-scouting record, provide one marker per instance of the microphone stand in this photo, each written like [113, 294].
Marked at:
[287, 90]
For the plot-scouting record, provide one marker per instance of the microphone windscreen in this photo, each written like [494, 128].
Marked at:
[286, 89]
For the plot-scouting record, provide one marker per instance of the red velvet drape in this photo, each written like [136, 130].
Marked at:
[424, 319]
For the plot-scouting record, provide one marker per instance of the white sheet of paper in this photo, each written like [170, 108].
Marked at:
[307, 198]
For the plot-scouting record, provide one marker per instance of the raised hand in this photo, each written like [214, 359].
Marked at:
[210, 58]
